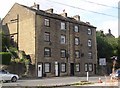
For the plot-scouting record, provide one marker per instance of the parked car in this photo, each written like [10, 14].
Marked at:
[116, 74]
[6, 76]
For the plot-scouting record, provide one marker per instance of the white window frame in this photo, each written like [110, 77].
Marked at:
[47, 67]
[77, 54]
[76, 40]
[77, 67]
[47, 36]
[90, 66]
[76, 28]
[89, 31]
[47, 52]
[63, 53]
[63, 26]
[86, 67]
[63, 67]
[63, 39]
[47, 22]
[89, 42]
[90, 55]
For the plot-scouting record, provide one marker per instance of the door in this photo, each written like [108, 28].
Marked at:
[72, 69]
[57, 73]
[40, 70]
[95, 68]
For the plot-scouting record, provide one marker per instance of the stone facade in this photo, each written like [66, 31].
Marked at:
[58, 45]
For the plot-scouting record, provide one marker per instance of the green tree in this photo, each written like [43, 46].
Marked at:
[104, 48]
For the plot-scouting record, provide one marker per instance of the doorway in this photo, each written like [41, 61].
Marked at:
[72, 69]
[40, 70]
[57, 71]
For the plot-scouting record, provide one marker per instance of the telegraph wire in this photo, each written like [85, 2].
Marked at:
[101, 4]
[82, 9]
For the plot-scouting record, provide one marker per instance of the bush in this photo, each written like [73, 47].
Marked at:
[6, 58]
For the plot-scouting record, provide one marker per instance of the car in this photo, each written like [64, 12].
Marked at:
[116, 74]
[6, 76]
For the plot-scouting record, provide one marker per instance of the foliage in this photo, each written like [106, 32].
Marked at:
[6, 58]
[104, 48]
[107, 47]
[5, 41]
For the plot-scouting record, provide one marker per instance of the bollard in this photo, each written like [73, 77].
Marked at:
[87, 76]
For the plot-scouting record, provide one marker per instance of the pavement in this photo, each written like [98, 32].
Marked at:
[64, 82]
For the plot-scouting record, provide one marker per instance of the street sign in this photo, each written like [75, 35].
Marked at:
[102, 61]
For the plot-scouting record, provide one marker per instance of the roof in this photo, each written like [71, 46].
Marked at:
[56, 16]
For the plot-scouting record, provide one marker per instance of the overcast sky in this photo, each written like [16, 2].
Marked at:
[102, 22]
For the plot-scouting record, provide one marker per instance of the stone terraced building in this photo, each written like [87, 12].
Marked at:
[58, 45]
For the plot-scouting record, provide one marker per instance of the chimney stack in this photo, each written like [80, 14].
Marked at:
[49, 10]
[38, 7]
[35, 6]
[88, 23]
[64, 14]
[76, 17]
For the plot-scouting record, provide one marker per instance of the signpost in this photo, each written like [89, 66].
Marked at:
[102, 61]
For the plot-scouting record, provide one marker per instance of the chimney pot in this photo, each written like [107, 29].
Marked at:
[76, 17]
[49, 10]
[64, 14]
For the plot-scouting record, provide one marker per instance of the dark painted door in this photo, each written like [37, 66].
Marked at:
[72, 69]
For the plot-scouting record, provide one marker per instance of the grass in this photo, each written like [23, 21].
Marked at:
[82, 83]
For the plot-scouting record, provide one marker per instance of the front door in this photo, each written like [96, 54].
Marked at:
[72, 69]
[40, 70]
[56, 69]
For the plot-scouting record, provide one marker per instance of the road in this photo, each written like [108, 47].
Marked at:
[51, 81]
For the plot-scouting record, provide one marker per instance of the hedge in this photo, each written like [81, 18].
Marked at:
[5, 58]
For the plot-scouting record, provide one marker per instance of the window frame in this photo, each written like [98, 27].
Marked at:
[63, 26]
[76, 54]
[89, 67]
[76, 67]
[64, 37]
[61, 53]
[90, 55]
[47, 22]
[76, 42]
[86, 67]
[89, 43]
[76, 29]
[49, 70]
[63, 71]
[89, 31]
[47, 51]
[47, 36]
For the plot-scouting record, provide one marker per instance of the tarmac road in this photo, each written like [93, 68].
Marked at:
[55, 81]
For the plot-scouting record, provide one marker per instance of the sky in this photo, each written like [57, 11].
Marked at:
[102, 22]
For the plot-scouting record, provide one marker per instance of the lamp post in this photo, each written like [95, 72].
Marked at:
[17, 20]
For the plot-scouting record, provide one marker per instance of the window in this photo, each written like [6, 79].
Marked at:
[47, 67]
[47, 22]
[63, 39]
[47, 36]
[90, 55]
[90, 67]
[63, 67]
[77, 54]
[47, 52]
[76, 41]
[89, 31]
[63, 53]
[89, 42]
[63, 26]
[76, 29]
[86, 67]
[77, 66]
